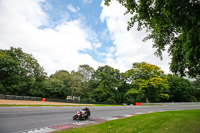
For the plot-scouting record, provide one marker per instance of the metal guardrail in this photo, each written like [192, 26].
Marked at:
[14, 97]
[29, 98]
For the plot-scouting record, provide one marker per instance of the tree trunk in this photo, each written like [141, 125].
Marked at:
[147, 98]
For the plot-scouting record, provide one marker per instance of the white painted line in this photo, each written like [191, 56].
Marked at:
[91, 122]
[126, 115]
[83, 122]
[150, 111]
[111, 118]
[138, 113]
[41, 130]
[79, 124]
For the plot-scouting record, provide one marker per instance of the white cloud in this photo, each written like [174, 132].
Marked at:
[54, 48]
[72, 8]
[128, 44]
[58, 48]
[97, 45]
[87, 1]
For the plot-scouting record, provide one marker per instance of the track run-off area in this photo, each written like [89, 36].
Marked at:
[44, 119]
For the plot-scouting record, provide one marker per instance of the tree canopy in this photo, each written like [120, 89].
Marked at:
[108, 79]
[170, 22]
[21, 74]
[149, 79]
[181, 90]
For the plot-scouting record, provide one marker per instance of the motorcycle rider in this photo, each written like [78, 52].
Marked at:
[85, 110]
[82, 113]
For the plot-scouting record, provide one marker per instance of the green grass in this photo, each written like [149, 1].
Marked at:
[187, 121]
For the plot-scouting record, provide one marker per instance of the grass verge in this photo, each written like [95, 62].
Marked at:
[186, 121]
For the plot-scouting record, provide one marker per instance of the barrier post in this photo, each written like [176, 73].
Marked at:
[138, 104]
[43, 99]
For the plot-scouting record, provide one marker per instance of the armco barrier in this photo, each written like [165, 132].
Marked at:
[19, 98]
[26, 97]
[55, 100]
[33, 99]
[2, 96]
[14, 97]
[10, 97]
[39, 98]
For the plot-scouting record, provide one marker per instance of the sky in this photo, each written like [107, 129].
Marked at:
[64, 34]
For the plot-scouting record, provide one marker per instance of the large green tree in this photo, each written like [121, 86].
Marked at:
[180, 89]
[76, 83]
[86, 71]
[108, 81]
[132, 96]
[196, 84]
[121, 95]
[87, 82]
[149, 79]
[170, 22]
[65, 77]
[20, 73]
[55, 89]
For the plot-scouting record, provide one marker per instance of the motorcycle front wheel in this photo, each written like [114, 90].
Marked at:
[75, 117]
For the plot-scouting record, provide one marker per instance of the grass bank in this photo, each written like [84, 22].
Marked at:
[186, 121]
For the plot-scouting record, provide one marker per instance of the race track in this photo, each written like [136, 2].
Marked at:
[18, 119]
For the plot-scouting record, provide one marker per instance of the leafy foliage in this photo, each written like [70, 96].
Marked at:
[87, 82]
[133, 95]
[149, 79]
[62, 79]
[20, 73]
[181, 90]
[170, 22]
[108, 79]
[55, 88]
[196, 84]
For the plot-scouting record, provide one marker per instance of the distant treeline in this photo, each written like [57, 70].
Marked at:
[21, 74]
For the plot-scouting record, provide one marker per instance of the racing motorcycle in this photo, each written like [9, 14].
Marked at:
[82, 114]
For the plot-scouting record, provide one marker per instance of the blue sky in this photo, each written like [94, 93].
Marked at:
[64, 34]
[88, 12]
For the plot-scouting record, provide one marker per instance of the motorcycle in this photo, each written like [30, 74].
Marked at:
[82, 114]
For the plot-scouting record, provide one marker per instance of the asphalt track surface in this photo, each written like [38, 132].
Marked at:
[16, 119]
